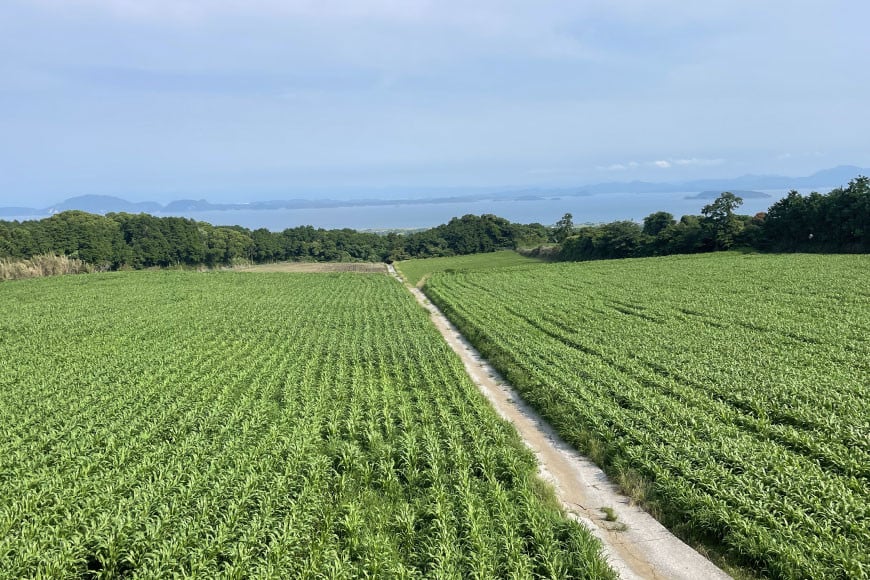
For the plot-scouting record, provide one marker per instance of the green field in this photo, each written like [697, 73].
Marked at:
[171, 424]
[734, 390]
[415, 270]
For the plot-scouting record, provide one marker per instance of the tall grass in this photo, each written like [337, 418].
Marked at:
[40, 266]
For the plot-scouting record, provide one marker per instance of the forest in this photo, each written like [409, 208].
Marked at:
[123, 240]
[838, 221]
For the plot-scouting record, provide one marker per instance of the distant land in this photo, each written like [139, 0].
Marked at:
[745, 186]
[103, 204]
[744, 193]
[834, 177]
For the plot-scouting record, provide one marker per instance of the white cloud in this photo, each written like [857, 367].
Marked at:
[625, 166]
[698, 162]
[686, 162]
[663, 163]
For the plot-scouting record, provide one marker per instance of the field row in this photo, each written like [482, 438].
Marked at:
[415, 271]
[257, 425]
[739, 386]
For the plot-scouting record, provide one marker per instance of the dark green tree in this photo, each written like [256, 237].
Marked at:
[838, 221]
[655, 223]
[723, 223]
[90, 237]
[267, 246]
[7, 247]
[564, 228]
[622, 239]
[144, 237]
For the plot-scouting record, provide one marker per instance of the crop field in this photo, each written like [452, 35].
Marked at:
[733, 389]
[415, 270]
[242, 425]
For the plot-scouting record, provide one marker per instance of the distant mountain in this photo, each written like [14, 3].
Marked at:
[104, 204]
[182, 205]
[835, 177]
[745, 186]
[714, 193]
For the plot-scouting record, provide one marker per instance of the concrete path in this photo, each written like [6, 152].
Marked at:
[636, 545]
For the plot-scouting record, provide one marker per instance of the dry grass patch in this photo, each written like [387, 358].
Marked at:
[41, 266]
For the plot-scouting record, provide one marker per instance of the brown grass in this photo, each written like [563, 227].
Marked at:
[40, 266]
[314, 267]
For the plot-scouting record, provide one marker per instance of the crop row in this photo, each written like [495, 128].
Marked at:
[168, 424]
[738, 386]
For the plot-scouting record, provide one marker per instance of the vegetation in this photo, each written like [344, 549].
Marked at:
[416, 270]
[39, 266]
[836, 222]
[564, 228]
[121, 240]
[174, 424]
[729, 390]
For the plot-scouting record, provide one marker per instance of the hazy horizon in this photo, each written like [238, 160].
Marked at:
[237, 101]
[396, 193]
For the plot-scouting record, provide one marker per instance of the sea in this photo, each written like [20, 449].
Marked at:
[587, 209]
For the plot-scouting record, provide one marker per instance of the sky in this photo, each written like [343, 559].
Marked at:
[242, 100]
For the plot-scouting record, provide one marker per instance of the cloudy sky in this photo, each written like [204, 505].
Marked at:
[254, 99]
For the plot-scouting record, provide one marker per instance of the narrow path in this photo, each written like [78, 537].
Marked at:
[636, 545]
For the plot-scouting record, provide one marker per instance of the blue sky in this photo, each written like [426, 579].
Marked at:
[236, 100]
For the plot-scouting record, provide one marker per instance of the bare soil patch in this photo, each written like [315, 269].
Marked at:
[319, 267]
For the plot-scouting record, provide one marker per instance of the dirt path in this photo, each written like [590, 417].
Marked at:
[636, 545]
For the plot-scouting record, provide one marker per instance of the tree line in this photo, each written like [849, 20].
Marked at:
[838, 221]
[123, 240]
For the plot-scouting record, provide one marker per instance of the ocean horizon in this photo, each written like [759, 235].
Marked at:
[587, 209]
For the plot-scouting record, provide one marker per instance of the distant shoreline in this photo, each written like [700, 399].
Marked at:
[745, 194]
[386, 218]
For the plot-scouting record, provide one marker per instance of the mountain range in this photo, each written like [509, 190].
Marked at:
[707, 188]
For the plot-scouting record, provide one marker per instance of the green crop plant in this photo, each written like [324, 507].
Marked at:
[418, 269]
[223, 425]
[737, 387]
